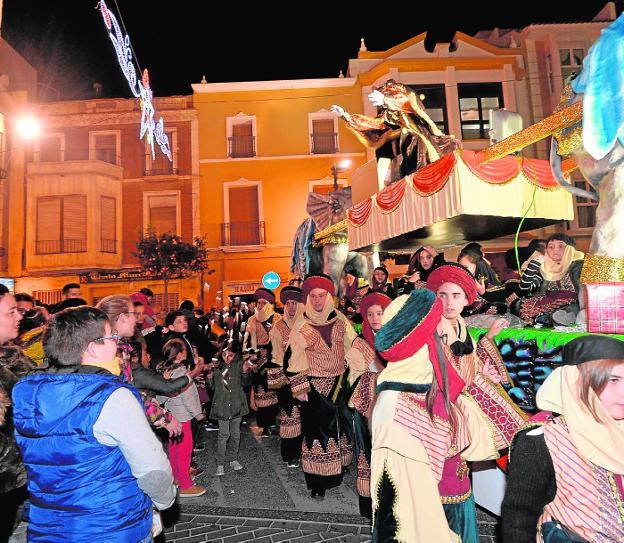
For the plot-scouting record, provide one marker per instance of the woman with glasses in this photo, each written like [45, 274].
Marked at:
[122, 315]
[90, 478]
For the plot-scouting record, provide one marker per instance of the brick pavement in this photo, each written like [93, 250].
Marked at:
[268, 503]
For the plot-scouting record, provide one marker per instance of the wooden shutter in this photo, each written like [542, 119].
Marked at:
[163, 214]
[244, 215]
[48, 225]
[323, 126]
[74, 223]
[323, 136]
[108, 232]
[243, 129]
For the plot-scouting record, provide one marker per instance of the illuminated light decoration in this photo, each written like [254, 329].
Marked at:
[141, 89]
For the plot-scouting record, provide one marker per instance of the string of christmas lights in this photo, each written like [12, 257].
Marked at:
[140, 88]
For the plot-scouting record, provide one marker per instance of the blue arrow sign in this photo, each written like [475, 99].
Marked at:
[271, 280]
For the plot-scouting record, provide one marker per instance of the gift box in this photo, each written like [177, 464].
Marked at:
[605, 308]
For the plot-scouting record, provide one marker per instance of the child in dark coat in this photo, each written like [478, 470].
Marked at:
[229, 404]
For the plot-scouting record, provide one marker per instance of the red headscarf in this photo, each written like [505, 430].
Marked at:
[317, 281]
[453, 273]
[371, 299]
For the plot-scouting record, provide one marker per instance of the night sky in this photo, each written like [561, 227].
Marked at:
[181, 40]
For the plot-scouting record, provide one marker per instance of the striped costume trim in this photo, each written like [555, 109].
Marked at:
[323, 385]
[363, 482]
[284, 333]
[487, 349]
[262, 336]
[586, 501]
[319, 461]
[499, 408]
[265, 398]
[323, 360]
[299, 383]
[276, 378]
[449, 500]
[290, 426]
[435, 435]
[364, 394]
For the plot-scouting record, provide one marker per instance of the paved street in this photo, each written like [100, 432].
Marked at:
[269, 503]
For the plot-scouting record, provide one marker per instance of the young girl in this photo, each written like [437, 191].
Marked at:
[565, 478]
[185, 406]
[229, 404]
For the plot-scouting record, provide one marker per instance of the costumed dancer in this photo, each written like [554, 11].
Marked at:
[364, 365]
[553, 293]
[402, 132]
[319, 341]
[424, 430]
[565, 477]
[491, 293]
[259, 326]
[482, 369]
[421, 264]
[381, 284]
[289, 411]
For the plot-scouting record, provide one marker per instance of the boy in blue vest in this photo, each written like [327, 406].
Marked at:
[95, 469]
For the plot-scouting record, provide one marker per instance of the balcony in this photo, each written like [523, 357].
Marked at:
[324, 143]
[50, 247]
[108, 245]
[241, 146]
[161, 165]
[238, 234]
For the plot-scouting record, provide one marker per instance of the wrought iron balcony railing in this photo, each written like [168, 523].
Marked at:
[324, 143]
[242, 233]
[241, 146]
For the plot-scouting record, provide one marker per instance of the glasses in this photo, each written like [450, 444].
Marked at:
[115, 338]
[131, 313]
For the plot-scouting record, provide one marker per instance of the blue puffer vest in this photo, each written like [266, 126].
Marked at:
[80, 490]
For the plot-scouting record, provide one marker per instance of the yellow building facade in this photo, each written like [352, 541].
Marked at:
[263, 146]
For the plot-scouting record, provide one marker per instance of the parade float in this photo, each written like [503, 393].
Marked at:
[445, 196]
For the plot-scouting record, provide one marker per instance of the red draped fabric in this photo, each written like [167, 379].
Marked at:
[499, 171]
[390, 197]
[358, 214]
[430, 179]
[433, 177]
[539, 173]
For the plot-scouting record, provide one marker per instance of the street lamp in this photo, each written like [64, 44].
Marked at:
[28, 127]
[339, 168]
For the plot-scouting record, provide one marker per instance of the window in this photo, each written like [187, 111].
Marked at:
[48, 297]
[571, 60]
[50, 148]
[243, 226]
[475, 103]
[61, 224]
[108, 232]
[585, 209]
[160, 164]
[324, 136]
[104, 146]
[167, 304]
[161, 211]
[433, 98]
[241, 131]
